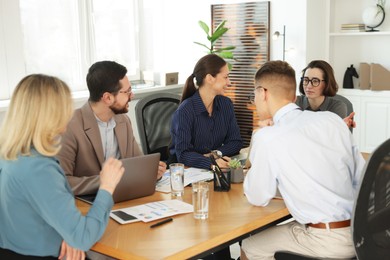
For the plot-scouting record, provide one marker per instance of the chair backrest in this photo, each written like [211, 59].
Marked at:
[371, 216]
[345, 101]
[348, 103]
[154, 117]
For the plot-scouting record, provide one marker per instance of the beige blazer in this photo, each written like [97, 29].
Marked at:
[81, 155]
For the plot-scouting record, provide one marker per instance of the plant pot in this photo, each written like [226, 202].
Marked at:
[237, 175]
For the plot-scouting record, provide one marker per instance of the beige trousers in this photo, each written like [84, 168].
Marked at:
[297, 238]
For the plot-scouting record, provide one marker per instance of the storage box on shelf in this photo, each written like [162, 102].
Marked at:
[353, 48]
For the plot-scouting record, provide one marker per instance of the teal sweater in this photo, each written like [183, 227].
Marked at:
[38, 211]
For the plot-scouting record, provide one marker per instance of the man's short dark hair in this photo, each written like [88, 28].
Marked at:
[275, 68]
[104, 76]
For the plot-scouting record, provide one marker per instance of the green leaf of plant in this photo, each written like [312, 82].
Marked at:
[226, 55]
[203, 45]
[226, 48]
[204, 26]
[221, 25]
[215, 36]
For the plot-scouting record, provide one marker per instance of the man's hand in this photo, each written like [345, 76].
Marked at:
[162, 168]
[266, 122]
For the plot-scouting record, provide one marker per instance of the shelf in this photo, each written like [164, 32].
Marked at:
[364, 92]
[347, 34]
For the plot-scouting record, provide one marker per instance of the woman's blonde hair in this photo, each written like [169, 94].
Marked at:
[40, 108]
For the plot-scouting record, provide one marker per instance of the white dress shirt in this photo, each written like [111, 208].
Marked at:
[313, 160]
[109, 141]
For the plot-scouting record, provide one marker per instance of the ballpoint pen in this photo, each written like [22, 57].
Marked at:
[218, 184]
[161, 222]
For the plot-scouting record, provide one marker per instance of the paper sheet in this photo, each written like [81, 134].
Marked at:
[190, 175]
[152, 211]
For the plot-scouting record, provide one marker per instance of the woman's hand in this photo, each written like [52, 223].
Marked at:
[70, 253]
[111, 174]
[349, 120]
[223, 162]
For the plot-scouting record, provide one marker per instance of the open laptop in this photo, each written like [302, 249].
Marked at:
[139, 179]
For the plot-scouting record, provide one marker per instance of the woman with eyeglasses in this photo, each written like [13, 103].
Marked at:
[317, 86]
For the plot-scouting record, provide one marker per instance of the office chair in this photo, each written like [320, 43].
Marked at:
[371, 218]
[346, 102]
[154, 116]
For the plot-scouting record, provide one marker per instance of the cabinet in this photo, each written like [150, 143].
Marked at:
[343, 49]
[372, 117]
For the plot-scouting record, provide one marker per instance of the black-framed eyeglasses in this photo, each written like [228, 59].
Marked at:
[315, 82]
[251, 96]
[128, 92]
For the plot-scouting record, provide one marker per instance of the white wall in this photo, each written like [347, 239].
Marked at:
[170, 27]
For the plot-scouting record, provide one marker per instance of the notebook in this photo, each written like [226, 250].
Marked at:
[139, 179]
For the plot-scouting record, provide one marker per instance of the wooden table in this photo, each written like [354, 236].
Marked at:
[231, 218]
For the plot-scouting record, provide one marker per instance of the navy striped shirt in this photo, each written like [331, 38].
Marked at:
[195, 133]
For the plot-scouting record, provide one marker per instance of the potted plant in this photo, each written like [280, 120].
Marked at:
[224, 52]
[236, 171]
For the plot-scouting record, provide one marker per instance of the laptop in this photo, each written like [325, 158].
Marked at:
[138, 180]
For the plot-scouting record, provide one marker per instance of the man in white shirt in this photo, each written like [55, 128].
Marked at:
[312, 159]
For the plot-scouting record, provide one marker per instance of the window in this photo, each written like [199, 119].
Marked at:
[64, 37]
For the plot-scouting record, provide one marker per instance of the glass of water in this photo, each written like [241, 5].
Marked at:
[177, 179]
[200, 199]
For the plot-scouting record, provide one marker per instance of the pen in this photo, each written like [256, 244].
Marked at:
[161, 222]
[223, 159]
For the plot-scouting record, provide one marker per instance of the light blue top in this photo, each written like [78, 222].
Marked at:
[38, 210]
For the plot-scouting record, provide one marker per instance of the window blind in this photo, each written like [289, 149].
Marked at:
[248, 25]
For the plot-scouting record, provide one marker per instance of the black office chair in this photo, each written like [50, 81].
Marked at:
[346, 102]
[371, 219]
[154, 117]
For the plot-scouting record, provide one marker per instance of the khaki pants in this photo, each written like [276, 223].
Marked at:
[297, 238]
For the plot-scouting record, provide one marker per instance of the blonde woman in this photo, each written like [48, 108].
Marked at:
[38, 215]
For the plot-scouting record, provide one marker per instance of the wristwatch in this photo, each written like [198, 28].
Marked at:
[217, 153]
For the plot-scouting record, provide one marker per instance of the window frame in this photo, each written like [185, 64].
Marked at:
[12, 59]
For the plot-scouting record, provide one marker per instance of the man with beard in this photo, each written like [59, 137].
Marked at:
[100, 129]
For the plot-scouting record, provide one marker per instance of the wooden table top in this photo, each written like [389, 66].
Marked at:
[230, 217]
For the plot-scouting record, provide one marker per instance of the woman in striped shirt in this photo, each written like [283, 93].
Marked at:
[205, 120]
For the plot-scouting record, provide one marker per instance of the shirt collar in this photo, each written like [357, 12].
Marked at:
[283, 111]
[110, 124]
[199, 107]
